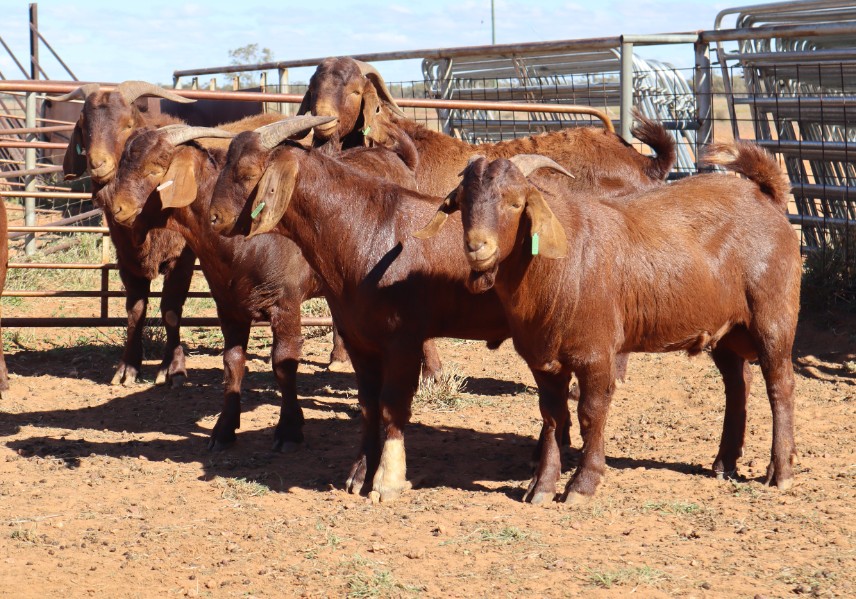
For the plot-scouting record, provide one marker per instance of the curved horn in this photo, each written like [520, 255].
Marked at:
[131, 90]
[529, 163]
[372, 73]
[81, 92]
[180, 134]
[272, 135]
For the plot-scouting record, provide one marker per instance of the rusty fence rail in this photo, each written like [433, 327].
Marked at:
[104, 293]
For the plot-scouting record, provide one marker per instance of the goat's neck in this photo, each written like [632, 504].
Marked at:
[341, 220]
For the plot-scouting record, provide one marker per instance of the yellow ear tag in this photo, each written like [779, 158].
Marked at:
[258, 210]
[366, 130]
[534, 244]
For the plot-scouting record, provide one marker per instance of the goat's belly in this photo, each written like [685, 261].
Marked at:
[693, 341]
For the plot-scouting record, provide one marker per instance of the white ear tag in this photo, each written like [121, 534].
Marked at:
[164, 185]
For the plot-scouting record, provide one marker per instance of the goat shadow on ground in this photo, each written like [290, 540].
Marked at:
[437, 456]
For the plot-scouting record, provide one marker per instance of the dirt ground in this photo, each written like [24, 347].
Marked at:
[110, 491]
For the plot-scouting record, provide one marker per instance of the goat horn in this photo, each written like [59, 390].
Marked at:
[180, 134]
[383, 91]
[272, 135]
[529, 163]
[81, 92]
[131, 90]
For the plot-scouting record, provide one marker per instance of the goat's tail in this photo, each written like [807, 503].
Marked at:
[754, 163]
[655, 135]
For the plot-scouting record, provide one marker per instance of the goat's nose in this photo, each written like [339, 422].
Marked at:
[474, 245]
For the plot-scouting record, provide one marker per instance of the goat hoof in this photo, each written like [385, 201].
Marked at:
[162, 377]
[340, 366]
[574, 498]
[783, 483]
[177, 381]
[219, 445]
[286, 446]
[726, 474]
[125, 375]
[541, 498]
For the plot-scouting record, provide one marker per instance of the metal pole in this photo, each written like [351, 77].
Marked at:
[704, 96]
[492, 23]
[626, 89]
[30, 122]
[30, 180]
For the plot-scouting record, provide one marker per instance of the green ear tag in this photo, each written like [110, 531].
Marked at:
[534, 244]
[257, 210]
[80, 151]
[366, 130]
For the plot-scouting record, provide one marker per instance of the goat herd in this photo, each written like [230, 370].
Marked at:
[569, 242]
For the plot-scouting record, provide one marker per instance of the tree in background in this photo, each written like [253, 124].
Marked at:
[250, 54]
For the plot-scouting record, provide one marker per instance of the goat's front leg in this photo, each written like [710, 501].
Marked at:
[136, 303]
[400, 381]
[236, 335]
[553, 401]
[597, 384]
[368, 393]
[285, 358]
[176, 284]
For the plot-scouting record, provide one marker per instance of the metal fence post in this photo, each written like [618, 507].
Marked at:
[626, 83]
[29, 164]
[704, 96]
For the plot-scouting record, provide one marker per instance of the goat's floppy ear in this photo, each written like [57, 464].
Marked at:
[74, 161]
[179, 183]
[304, 104]
[449, 205]
[371, 109]
[273, 195]
[552, 241]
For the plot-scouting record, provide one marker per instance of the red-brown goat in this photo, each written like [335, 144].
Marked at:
[707, 263]
[106, 121]
[356, 94]
[165, 180]
[387, 291]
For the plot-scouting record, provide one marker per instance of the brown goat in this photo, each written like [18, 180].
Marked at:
[106, 121]
[4, 266]
[388, 292]
[707, 263]
[165, 180]
[355, 93]
[250, 156]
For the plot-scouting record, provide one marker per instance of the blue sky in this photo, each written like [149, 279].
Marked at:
[114, 41]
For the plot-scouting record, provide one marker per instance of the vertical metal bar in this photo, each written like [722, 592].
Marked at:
[492, 22]
[34, 41]
[30, 181]
[212, 85]
[105, 274]
[236, 85]
[704, 96]
[626, 83]
[284, 108]
[263, 87]
[30, 115]
[194, 83]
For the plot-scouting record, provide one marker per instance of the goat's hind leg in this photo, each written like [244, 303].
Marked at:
[737, 377]
[779, 375]
[553, 401]
[176, 284]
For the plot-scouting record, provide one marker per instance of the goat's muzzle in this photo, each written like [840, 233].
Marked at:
[220, 222]
[123, 212]
[102, 168]
[481, 250]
